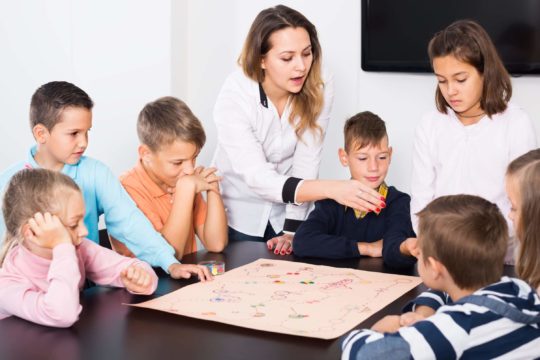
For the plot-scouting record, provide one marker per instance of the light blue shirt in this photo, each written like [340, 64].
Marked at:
[103, 194]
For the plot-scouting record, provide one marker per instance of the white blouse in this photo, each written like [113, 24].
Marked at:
[451, 158]
[258, 152]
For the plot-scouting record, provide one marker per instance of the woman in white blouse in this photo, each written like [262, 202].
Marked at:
[271, 119]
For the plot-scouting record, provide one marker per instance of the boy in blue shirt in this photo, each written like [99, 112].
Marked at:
[60, 118]
[334, 231]
[462, 241]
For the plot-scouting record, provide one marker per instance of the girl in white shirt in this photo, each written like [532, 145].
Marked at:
[466, 145]
[271, 120]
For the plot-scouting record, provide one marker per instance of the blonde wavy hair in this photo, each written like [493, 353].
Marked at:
[525, 170]
[28, 192]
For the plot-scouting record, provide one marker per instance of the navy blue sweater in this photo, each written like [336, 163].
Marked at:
[332, 231]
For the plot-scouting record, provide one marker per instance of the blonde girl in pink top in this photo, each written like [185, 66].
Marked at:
[45, 256]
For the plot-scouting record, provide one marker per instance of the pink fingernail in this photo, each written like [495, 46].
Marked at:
[276, 252]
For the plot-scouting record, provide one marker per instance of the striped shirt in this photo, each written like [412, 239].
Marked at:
[499, 321]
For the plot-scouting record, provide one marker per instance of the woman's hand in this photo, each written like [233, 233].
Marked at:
[281, 244]
[354, 194]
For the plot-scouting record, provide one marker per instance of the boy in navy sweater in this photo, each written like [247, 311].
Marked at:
[335, 231]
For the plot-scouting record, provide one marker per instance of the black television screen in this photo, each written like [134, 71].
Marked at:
[395, 33]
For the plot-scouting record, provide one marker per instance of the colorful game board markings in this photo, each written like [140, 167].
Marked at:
[266, 265]
[209, 313]
[296, 315]
[273, 276]
[279, 282]
[257, 312]
[307, 282]
[293, 273]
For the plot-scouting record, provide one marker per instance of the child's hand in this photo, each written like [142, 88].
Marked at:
[136, 279]
[354, 194]
[387, 324]
[195, 181]
[281, 244]
[209, 174]
[184, 271]
[409, 247]
[409, 318]
[373, 249]
[47, 231]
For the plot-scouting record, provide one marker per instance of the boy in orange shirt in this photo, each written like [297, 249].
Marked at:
[167, 186]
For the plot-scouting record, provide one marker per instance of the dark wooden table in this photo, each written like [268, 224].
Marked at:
[109, 330]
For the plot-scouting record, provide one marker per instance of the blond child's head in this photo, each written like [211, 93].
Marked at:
[171, 137]
[523, 190]
[366, 151]
[60, 118]
[465, 234]
[32, 191]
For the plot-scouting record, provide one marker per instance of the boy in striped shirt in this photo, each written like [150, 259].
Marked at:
[461, 247]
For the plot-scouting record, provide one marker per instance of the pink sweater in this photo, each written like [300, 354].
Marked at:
[47, 291]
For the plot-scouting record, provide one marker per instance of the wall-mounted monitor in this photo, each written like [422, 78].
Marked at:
[395, 33]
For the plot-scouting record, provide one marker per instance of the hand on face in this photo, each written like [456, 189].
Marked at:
[202, 179]
[47, 231]
[210, 176]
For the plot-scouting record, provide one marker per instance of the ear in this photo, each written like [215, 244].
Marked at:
[41, 133]
[343, 159]
[144, 153]
[390, 154]
[26, 232]
[437, 269]
[263, 64]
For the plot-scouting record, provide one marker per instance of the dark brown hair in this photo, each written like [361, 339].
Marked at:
[167, 120]
[468, 235]
[526, 172]
[51, 99]
[30, 191]
[308, 103]
[363, 129]
[467, 41]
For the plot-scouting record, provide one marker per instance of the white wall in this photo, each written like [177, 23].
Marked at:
[117, 51]
[216, 32]
[126, 53]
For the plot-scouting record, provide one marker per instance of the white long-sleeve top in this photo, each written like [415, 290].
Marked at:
[258, 151]
[451, 158]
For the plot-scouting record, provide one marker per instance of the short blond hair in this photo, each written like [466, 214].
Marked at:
[468, 235]
[167, 120]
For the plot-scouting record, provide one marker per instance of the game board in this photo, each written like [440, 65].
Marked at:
[288, 297]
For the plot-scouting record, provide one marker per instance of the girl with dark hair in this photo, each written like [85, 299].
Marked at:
[466, 144]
